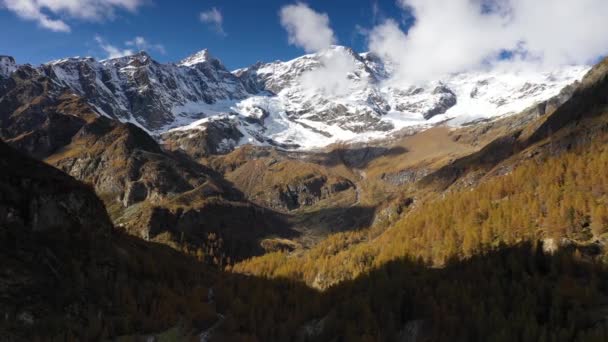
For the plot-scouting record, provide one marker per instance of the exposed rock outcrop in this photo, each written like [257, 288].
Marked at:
[281, 181]
[225, 231]
[407, 176]
[7, 66]
[446, 100]
[122, 161]
[211, 138]
[306, 192]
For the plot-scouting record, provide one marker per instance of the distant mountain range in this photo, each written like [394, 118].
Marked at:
[315, 100]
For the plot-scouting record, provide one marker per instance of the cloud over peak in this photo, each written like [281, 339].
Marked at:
[112, 51]
[138, 43]
[310, 31]
[306, 28]
[141, 44]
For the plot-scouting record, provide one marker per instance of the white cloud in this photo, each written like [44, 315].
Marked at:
[562, 31]
[141, 44]
[448, 36]
[131, 47]
[111, 50]
[310, 31]
[451, 36]
[45, 12]
[332, 76]
[306, 28]
[214, 18]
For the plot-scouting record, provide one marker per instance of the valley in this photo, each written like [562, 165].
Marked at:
[223, 221]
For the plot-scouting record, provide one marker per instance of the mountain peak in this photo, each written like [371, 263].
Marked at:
[203, 56]
[7, 65]
[139, 58]
[142, 54]
[339, 49]
[7, 58]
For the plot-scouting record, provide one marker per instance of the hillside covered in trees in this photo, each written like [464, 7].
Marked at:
[558, 199]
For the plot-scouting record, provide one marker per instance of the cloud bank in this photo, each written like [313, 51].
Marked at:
[47, 12]
[451, 36]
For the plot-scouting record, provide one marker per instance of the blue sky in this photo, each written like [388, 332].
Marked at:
[422, 39]
[251, 30]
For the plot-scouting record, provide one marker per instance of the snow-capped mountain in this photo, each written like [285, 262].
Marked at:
[339, 95]
[311, 101]
[140, 90]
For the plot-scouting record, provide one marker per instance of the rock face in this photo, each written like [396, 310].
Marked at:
[7, 66]
[40, 198]
[405, 176]
[217, 136]
[419, 100]
[281, 181]
[37, 115]
[128, 168]
[138, 89]
[307, 192]
[230, 230]
[446, 100]
[44, 215]
[165, 197]
[43, 125]
[122, 161]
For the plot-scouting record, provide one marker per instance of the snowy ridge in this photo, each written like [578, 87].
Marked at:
[198, 58]
[332, 96]
[137, 89]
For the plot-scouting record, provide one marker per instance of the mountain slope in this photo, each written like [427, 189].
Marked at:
[137, 179]
[531, 184]
[78, 279]
[67, 274]
[567, 121]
